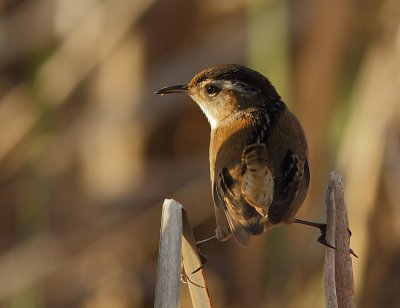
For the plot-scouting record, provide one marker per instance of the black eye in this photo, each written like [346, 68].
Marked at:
[212, 90]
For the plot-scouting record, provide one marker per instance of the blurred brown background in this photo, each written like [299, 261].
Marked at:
[88, 153]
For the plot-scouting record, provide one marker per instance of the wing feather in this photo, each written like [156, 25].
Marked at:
[292, 169]
[257, 183]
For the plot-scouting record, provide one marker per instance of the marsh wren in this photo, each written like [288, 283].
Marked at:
[258, 151]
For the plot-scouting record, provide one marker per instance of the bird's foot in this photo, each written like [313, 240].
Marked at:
[203, 261]
[322, 227]
[203, 258]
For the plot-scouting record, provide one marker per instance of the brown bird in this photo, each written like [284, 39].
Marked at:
[258, 152]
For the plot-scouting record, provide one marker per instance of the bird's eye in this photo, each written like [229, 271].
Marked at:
[212, 90]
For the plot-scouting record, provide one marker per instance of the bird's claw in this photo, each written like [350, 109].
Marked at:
[323, 241]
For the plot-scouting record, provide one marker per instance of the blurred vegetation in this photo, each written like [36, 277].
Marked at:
[87, 153]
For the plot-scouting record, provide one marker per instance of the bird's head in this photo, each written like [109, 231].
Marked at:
[223, 90]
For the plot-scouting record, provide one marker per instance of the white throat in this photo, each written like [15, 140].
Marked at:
[211, 119]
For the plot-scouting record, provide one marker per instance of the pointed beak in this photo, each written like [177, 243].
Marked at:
[180, 88]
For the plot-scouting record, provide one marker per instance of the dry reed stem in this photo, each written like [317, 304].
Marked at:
[339, 282]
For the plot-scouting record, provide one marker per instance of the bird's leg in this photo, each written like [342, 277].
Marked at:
[203, 258]
[322, 228]
[202, 242]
